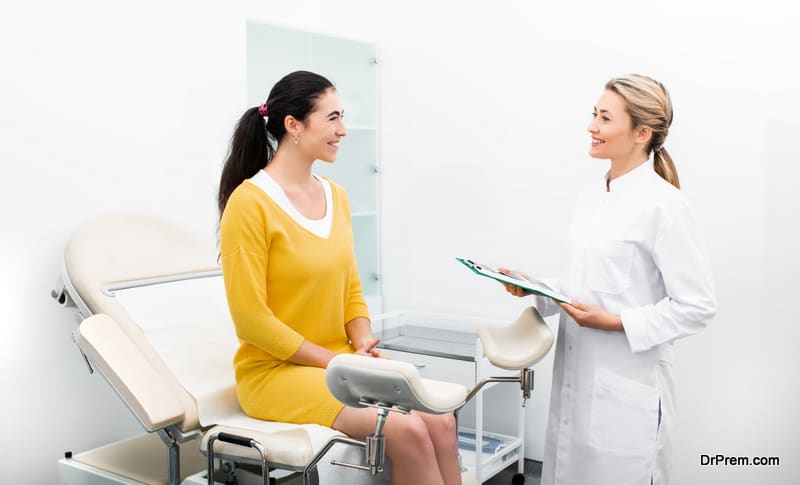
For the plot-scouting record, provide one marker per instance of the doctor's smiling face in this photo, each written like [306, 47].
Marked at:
[613, 136]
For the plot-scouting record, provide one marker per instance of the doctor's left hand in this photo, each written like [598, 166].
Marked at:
[592, 316]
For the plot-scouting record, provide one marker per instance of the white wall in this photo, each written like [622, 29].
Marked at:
[108, 106]
[484, 141]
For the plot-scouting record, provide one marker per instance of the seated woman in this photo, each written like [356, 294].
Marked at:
[286, 246]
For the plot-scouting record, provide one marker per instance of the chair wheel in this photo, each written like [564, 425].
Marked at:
[518, 479]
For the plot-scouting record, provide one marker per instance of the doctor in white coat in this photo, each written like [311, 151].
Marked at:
[641, 280]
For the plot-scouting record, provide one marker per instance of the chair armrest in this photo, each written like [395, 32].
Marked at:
[127, 370]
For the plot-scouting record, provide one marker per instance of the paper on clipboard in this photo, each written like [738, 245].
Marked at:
[535, 286]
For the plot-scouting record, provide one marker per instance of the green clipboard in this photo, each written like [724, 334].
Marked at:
[534, 286]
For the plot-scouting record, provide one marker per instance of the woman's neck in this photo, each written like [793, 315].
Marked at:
[290, 170]
[621, 166]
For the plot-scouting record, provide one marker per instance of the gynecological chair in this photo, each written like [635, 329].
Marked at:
[153, 319]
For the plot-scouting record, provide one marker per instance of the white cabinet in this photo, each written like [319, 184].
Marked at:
[446, 348]
[351, 65]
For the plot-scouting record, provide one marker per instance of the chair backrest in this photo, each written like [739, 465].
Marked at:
[142, 271]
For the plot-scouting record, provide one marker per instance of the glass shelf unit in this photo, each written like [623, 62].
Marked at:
[351, 65]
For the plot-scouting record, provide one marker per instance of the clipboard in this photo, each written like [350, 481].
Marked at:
[534, 286]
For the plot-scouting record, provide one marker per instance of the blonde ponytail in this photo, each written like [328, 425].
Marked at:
[662, 164]
[648, 103]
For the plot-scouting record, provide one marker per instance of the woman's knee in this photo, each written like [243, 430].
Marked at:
[410, 436]
[441, 427]
[446, 425]
[443, 430]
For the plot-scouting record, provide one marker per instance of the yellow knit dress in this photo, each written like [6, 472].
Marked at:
[285, 285]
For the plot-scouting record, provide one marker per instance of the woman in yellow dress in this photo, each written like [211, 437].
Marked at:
[286, 246]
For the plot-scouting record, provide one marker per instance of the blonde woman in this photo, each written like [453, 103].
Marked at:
[641, 278]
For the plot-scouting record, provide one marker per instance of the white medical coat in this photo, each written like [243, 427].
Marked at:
[634, 251]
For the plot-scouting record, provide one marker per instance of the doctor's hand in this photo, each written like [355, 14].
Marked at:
[514, 290]
[592, 316]
[368, 348]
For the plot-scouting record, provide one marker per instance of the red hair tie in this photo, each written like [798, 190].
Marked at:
[263, 110]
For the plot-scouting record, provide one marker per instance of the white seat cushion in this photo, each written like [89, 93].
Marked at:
[287, 443]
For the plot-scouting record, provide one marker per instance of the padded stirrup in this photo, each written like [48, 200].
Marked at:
[356, 379]
[519, 345]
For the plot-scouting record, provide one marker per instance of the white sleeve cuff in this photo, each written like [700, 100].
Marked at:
[545, 306]
[634, 324]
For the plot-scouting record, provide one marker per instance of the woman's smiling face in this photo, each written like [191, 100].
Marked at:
[323, 128]
[611, 128]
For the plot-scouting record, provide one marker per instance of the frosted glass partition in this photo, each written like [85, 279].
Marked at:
[273, 52]
[355, 169]
[353, 74]
[364, 227]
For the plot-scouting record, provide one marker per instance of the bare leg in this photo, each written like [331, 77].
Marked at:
[442, 430]
[408, 444]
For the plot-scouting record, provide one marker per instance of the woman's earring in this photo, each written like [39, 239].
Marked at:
[296, 139]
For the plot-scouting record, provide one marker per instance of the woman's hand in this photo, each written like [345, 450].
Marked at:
[592, 316]
[368, 348]
[513, 289]
[360, 333]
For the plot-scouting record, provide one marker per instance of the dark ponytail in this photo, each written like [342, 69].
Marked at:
[250, 151]
[256, 137]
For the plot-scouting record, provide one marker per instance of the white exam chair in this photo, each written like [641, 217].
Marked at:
[154, 320]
